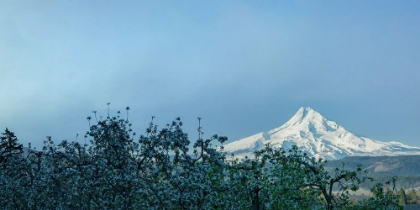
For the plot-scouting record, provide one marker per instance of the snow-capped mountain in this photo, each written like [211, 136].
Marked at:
[318, 137]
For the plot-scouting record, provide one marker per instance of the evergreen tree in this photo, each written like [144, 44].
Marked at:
[402, 198]
[9, 148]
[11, 171]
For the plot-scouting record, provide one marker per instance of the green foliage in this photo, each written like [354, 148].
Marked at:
[9, 148]
[383, 198]
[402, 198]
[157, 170]
[412, 197]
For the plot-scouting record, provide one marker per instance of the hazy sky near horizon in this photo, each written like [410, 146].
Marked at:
[243, 66]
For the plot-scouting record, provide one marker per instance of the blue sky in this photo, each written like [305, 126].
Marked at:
[244, 67]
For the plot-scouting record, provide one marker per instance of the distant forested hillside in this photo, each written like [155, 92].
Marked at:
[406, 168]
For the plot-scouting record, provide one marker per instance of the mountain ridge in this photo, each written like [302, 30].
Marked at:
[319, 137]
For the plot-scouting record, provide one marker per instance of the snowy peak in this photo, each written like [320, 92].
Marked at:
[304, 114]
[317, 136]
[308, 120]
